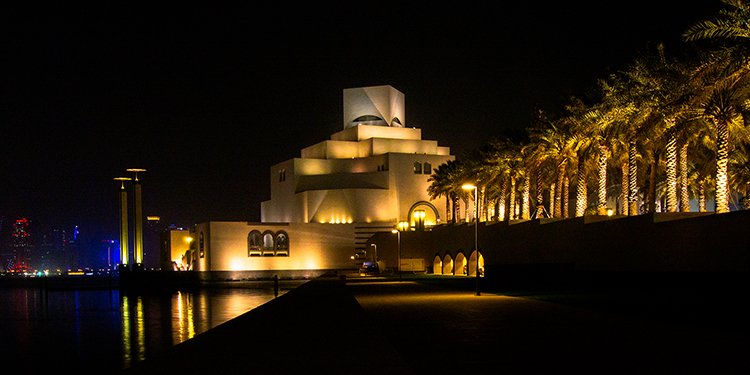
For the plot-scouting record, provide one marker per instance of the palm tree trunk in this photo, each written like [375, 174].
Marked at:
[448, 212]
[684, 197]
[512, 199]
[722, 158]
[456, 209]
[539, 209]
[702, 197]
[552, 198]
[483, 205]
[671, 160]
[632, 180]
[565, 201]
[601, 204]
[581, 190]
[623, 210]
[501, 201]
[466, 209]
[558, 188]
[651, 201]
[525, 214]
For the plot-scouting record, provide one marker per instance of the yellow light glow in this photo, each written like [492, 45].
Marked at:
[238, 264]
[610, 212]
[188, 239]
[468, 186]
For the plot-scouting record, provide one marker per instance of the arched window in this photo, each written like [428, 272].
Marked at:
[254, 243]
[417, 167]
[282, 243]
[427, 168]
[268, 246]
[369, 120]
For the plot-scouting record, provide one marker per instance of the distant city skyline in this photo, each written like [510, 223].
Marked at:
[55, 247]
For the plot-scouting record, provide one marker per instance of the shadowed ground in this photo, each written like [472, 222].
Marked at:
[423, 325]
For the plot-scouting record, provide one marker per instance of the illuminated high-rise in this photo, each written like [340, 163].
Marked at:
[21, 246]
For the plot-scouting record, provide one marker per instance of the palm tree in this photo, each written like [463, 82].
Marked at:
[554, 142]
[445, 182]
[729, 65]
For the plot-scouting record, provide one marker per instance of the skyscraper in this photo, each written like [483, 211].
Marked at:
[21, 246]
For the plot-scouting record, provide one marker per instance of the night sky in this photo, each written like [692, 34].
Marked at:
[208, 98]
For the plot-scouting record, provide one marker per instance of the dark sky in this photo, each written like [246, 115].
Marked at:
[207, 98]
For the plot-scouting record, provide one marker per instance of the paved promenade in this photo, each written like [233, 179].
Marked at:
[408, 326]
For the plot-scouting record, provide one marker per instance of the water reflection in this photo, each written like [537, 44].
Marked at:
[152, 323]
[109, 329]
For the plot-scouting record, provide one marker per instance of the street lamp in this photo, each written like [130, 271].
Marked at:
[398, 236]
[476, 227]
[401, 227]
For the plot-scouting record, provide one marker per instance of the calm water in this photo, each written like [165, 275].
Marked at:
[105, 330]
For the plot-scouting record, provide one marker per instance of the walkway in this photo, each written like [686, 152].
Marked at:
[381, 326]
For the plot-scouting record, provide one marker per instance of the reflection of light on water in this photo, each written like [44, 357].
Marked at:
[140, 329]
[133, 351]
[188, 313]
[183, 315]
[125, 315]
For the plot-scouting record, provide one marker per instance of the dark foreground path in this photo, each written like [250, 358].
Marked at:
[379, 326]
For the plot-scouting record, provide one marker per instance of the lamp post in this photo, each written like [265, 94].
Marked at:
[398, 238]
[375, 253]
[476, 228]
[401, 226]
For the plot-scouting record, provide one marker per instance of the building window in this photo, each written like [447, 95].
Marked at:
[417, 167]
[427, 168]
[201, 246]
[282, 244]
[268, 244]
[282, 175]
[254, 244]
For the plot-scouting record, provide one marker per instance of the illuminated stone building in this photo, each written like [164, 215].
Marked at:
[326, 204]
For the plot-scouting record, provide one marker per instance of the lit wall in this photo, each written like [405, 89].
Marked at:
[311, 246]
[384, 102]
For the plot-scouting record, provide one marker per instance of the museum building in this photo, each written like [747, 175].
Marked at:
[325, 205]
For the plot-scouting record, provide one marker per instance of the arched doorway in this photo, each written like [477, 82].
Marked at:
[423, 215]
[460, 268]
[472, 266]
[447, 265]
[437, 265]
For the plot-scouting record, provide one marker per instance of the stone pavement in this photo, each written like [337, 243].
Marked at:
[391, 326]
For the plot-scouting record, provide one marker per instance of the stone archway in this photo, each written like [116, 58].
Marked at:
[472, 264]
[460, 265]
[448, 265]
[437, 265]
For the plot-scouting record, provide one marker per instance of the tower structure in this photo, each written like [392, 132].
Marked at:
[137, 219]
[21, 245]
[124, 237]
